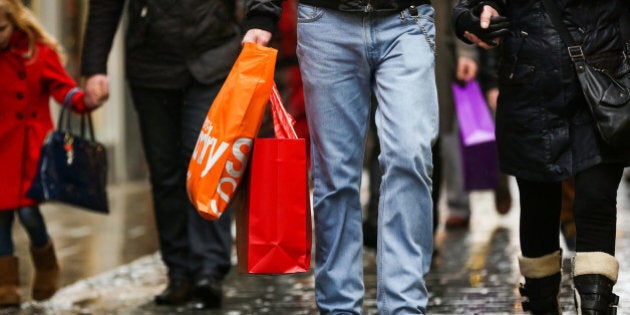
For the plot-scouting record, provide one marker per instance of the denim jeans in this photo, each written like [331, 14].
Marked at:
[343, 57]
[170, 121]
[33, 223]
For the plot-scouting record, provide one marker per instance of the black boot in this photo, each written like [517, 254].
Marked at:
[177, 292]
[541, 295]
[594, 275]
[207, 293]
[594, 295]
[542, 283]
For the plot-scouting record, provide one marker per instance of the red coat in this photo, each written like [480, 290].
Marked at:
[26, 86]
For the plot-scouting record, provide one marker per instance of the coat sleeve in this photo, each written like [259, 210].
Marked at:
[464, 5]
[262, 14]
[58, 81]
[102, 23]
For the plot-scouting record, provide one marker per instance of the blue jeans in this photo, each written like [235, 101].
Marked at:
[343, 57]
[32, 221]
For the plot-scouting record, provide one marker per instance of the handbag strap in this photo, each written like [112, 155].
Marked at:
[575, 49]
[64, 116]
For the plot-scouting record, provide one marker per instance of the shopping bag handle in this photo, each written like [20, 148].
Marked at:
[282, 120]
[64, 116]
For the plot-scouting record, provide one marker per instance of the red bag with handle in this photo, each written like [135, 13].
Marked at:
[274, 225]
[224, 144]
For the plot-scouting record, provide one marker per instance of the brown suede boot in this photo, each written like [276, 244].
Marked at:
[9, 282]
[594, 275]
[46, 281]
[542, 283]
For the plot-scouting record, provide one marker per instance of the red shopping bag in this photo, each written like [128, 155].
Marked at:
[274, 225]
[224, 144]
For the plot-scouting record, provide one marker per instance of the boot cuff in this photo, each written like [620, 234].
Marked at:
[599, 263]
[541, 267]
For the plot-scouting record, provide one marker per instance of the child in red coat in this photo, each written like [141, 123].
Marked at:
[31, 72]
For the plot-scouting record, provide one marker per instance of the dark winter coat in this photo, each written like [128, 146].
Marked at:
[170, 42]
[544, 130]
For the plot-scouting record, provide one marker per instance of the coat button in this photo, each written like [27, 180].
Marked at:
[33, 114]
[22, 75]
[20, 95]
[19, 115]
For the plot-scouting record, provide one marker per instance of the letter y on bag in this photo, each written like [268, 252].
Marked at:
[224, 144]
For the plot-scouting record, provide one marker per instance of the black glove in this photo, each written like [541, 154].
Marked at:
[469, 21]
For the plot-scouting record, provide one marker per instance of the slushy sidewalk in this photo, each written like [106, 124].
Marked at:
[476, 273]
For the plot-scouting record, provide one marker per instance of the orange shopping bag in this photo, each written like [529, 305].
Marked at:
[224, 144]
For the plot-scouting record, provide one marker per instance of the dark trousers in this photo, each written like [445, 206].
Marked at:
[595, 212]
[170, 121]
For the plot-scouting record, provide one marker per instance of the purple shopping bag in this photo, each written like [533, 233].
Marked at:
[478, 147]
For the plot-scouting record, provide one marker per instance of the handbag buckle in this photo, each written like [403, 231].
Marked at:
[576, 53]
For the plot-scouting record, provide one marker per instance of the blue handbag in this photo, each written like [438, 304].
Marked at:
[72, 168]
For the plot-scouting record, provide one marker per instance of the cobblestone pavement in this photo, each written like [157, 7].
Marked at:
[110, 266]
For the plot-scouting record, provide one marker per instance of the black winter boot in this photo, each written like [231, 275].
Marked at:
[542, 283]
[594, 275]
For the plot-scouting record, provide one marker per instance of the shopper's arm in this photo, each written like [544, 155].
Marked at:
[103, 19]
[480, 22]
[261, 19]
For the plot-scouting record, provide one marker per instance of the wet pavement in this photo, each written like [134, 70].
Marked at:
[110, 265]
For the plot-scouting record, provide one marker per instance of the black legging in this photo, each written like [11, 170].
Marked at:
[594, 211]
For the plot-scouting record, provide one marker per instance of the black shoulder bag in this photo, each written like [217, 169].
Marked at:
[608, 98]
[72, 168]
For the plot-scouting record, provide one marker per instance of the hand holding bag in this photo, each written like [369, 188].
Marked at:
[72, 169]
[478, 145]
[224, 144]
[608, 98]
[274, 226]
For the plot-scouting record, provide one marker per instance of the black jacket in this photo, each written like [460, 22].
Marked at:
[169, 42]
[544, 130]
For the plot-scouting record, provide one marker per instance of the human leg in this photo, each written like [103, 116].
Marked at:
[9, 276]
[456, 197]
[159, 115]
[6, 237]
[595, 268]
[407, 127]
[210, 241]
[46, 279]
[567, 223]
[35, 226]
[436, 177]
[502, 195]
[336, 78]
[541, 258]
[370, 225]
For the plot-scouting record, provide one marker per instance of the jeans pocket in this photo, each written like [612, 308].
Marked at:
[423, 18]
[307, 13]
